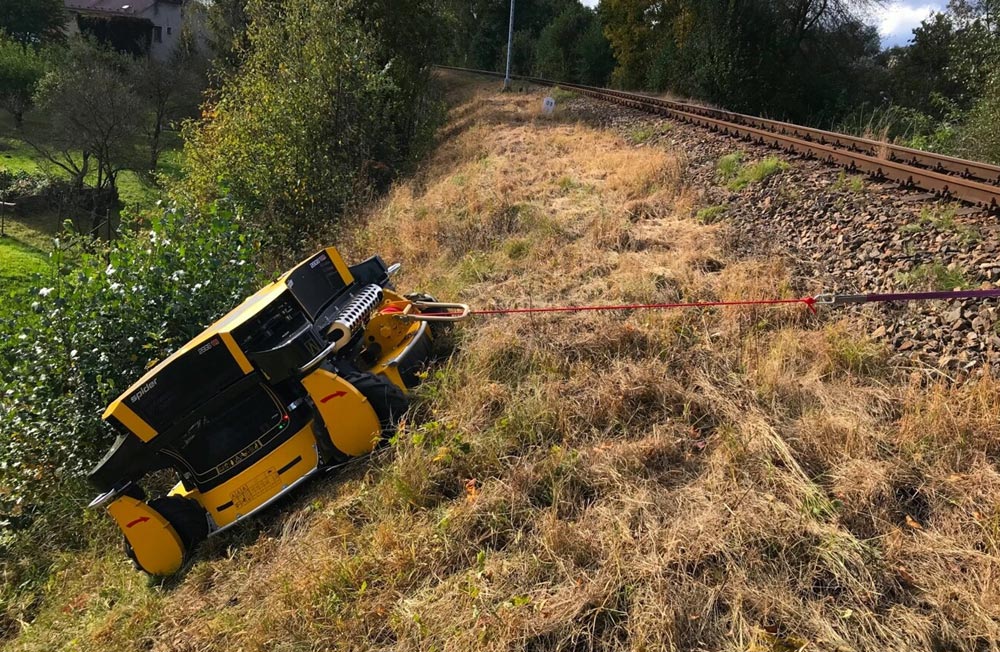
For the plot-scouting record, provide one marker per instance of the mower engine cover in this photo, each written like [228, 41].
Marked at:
[309, 371]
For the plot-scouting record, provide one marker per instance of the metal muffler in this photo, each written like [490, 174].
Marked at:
[354, 316]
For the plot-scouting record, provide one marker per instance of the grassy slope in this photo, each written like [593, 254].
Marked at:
[743, 480]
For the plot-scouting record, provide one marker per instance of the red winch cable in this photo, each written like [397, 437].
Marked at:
[808, 301]
[828, 300]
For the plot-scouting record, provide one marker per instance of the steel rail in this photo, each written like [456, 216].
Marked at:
[937, 162]
[968, 181]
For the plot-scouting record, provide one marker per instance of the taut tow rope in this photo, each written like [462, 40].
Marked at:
[826, 300]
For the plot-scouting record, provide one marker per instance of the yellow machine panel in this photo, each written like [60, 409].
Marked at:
[156, 545]
[284, 466]
[352, 423]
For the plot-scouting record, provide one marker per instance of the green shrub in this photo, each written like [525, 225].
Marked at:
[86, 330]
[731, 170]
[980, 137]
[710, 214]
[561, 95]
[640, 135]
[325, 108]
[854, 184]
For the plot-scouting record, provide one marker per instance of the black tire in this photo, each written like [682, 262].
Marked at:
[388, 400]
[130, 553]
[186, 516]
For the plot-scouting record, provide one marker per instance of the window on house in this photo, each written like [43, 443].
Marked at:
[170, 30]
[158, 35]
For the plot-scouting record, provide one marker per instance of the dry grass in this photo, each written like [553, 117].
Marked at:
[742, 480]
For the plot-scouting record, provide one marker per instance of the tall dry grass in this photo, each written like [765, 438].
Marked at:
[753, 479]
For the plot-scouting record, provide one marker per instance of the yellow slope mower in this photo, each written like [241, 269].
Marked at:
[308, 372]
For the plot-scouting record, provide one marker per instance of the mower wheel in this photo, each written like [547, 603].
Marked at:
[388, 401]
[187, 518]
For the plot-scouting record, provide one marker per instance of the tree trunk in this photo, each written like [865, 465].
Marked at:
[154, 142]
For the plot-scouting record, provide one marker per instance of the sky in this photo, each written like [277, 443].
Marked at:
[895, 20]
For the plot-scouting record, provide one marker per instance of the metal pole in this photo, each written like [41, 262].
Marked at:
[510, 45]
[3, 217]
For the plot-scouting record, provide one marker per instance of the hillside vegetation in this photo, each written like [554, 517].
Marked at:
[715, 480]
[273, 159]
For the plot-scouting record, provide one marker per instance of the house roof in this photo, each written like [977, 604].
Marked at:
[115, 7]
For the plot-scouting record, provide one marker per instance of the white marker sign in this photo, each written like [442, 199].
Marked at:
[548, 106]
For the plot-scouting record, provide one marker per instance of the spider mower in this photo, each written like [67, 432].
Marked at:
[310, 371]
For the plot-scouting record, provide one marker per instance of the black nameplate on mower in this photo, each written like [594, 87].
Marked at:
[185, 383]
[284, 360]
[315, 283]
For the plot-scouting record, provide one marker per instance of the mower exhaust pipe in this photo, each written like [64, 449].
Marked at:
[354, 316]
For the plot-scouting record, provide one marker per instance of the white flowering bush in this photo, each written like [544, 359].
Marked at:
[89, 328]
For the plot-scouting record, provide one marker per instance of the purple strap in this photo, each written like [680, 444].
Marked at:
[930, 296]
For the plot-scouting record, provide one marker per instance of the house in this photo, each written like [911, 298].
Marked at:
[138, 27]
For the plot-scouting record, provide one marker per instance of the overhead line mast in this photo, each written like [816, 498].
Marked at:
[510, 45]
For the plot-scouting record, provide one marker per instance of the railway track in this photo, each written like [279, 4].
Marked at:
[968, 181]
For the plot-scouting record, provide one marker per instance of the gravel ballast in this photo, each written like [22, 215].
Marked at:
[844, 233]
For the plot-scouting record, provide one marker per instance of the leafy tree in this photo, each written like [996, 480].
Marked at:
[32, 21]
[94, 119]
[794, 58]
[228, 32]
[170, 91]
[407, 37]
[629, 29]
[926, 68]
[479, 30]
[21, 69]
[573, 48]
[980, 137]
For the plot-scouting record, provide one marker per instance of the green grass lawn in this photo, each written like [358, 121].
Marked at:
[17, 156]
[18, 262]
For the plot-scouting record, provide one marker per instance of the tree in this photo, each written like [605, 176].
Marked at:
[980, 138]
[793, 58]
[21, 69]
[573, 48]
[628, 28]
[479, 38]
[31, 22]
[94, 119]
[228, 33]
[171, 91]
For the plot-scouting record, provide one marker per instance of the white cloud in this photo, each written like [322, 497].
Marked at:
[590, 3]
[897, 20]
